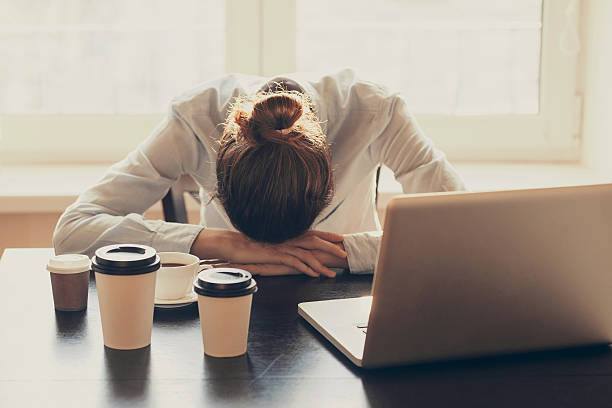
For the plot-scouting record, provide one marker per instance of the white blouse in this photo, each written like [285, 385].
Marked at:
[365, 126]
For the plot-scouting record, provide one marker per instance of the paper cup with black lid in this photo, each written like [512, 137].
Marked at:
[125, 281]
[69, 281]
[224, 303]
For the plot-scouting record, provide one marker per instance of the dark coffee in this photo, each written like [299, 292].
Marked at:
[172, 265]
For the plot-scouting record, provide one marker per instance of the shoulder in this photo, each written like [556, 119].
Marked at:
[348, 88]
[204, 108]
[213, 97]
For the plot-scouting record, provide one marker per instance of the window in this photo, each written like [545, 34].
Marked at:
[106, 57]
[455, 57]
[86, 81]
[487, 80]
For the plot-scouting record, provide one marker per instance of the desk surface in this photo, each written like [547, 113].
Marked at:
[50, 358]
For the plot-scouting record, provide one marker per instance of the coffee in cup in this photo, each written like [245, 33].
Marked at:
[69, 281]
[176, 275]
[224, 304]
[125, 281]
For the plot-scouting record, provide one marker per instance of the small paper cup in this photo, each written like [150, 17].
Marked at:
[224, 303]
[69, 275]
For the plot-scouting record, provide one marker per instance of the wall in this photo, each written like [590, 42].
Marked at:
[27, 230]
[595, 83]
[35, 230]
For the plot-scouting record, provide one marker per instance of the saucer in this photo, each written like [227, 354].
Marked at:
[174, 303]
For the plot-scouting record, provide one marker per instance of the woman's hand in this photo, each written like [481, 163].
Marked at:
[298, 255]
[331, 261]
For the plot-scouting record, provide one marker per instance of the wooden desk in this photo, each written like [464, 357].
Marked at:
[58, 359]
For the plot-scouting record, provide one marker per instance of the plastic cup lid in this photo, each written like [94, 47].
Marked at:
[125, 259]
[225, 282]
[68, 263]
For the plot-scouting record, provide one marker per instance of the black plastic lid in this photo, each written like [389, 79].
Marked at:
[224, 282]
[125, 259]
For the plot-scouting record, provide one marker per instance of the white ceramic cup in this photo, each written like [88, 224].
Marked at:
[176, 282]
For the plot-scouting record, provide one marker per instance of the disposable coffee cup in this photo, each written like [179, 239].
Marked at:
[176, 275]
[224, 303]
[125, 281]
[69, 281]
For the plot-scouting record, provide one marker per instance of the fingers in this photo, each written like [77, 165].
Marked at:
[313, 242]
[306, 257]
[296, 263]
[254, 269]
[283, 256]
[330, 261]
[327, 236]
[268, 269]
[286, 261]
[264, 269]
[291, 256]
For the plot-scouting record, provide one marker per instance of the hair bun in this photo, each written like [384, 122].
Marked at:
[274, 117]
[280, 117]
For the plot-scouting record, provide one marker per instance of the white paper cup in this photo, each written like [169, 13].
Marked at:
[225, 325]
[126, 309]
[176, 282]
[125, 282]
[224, 304]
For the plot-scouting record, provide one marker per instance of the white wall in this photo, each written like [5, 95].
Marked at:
[595, 82]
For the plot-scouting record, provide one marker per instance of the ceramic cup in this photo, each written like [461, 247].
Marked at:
[125, 281]
[224, 304]
[176, 275]
[69, 281]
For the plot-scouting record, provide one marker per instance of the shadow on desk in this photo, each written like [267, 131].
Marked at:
[128, 372]
[550, 378]
[545, 378]
[71, 325]
[183, 316]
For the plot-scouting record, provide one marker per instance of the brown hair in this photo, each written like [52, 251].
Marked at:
[274, 166]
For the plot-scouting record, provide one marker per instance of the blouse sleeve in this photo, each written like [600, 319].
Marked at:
[111, 211]
[416, 163]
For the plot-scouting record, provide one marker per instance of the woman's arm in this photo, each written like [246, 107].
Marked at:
[111, 211]
[416, 164]
[312, 253]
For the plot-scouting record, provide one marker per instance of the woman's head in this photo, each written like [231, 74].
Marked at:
[273, 167]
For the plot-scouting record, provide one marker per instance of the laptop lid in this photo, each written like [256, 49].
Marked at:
[471, 274]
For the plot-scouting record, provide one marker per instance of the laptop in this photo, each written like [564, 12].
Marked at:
[462, 275]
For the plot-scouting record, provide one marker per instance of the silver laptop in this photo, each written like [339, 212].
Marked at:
[463, 275]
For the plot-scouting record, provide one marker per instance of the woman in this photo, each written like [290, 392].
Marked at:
[286, 171]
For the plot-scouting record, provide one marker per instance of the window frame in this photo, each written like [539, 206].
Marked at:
[255, 32]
